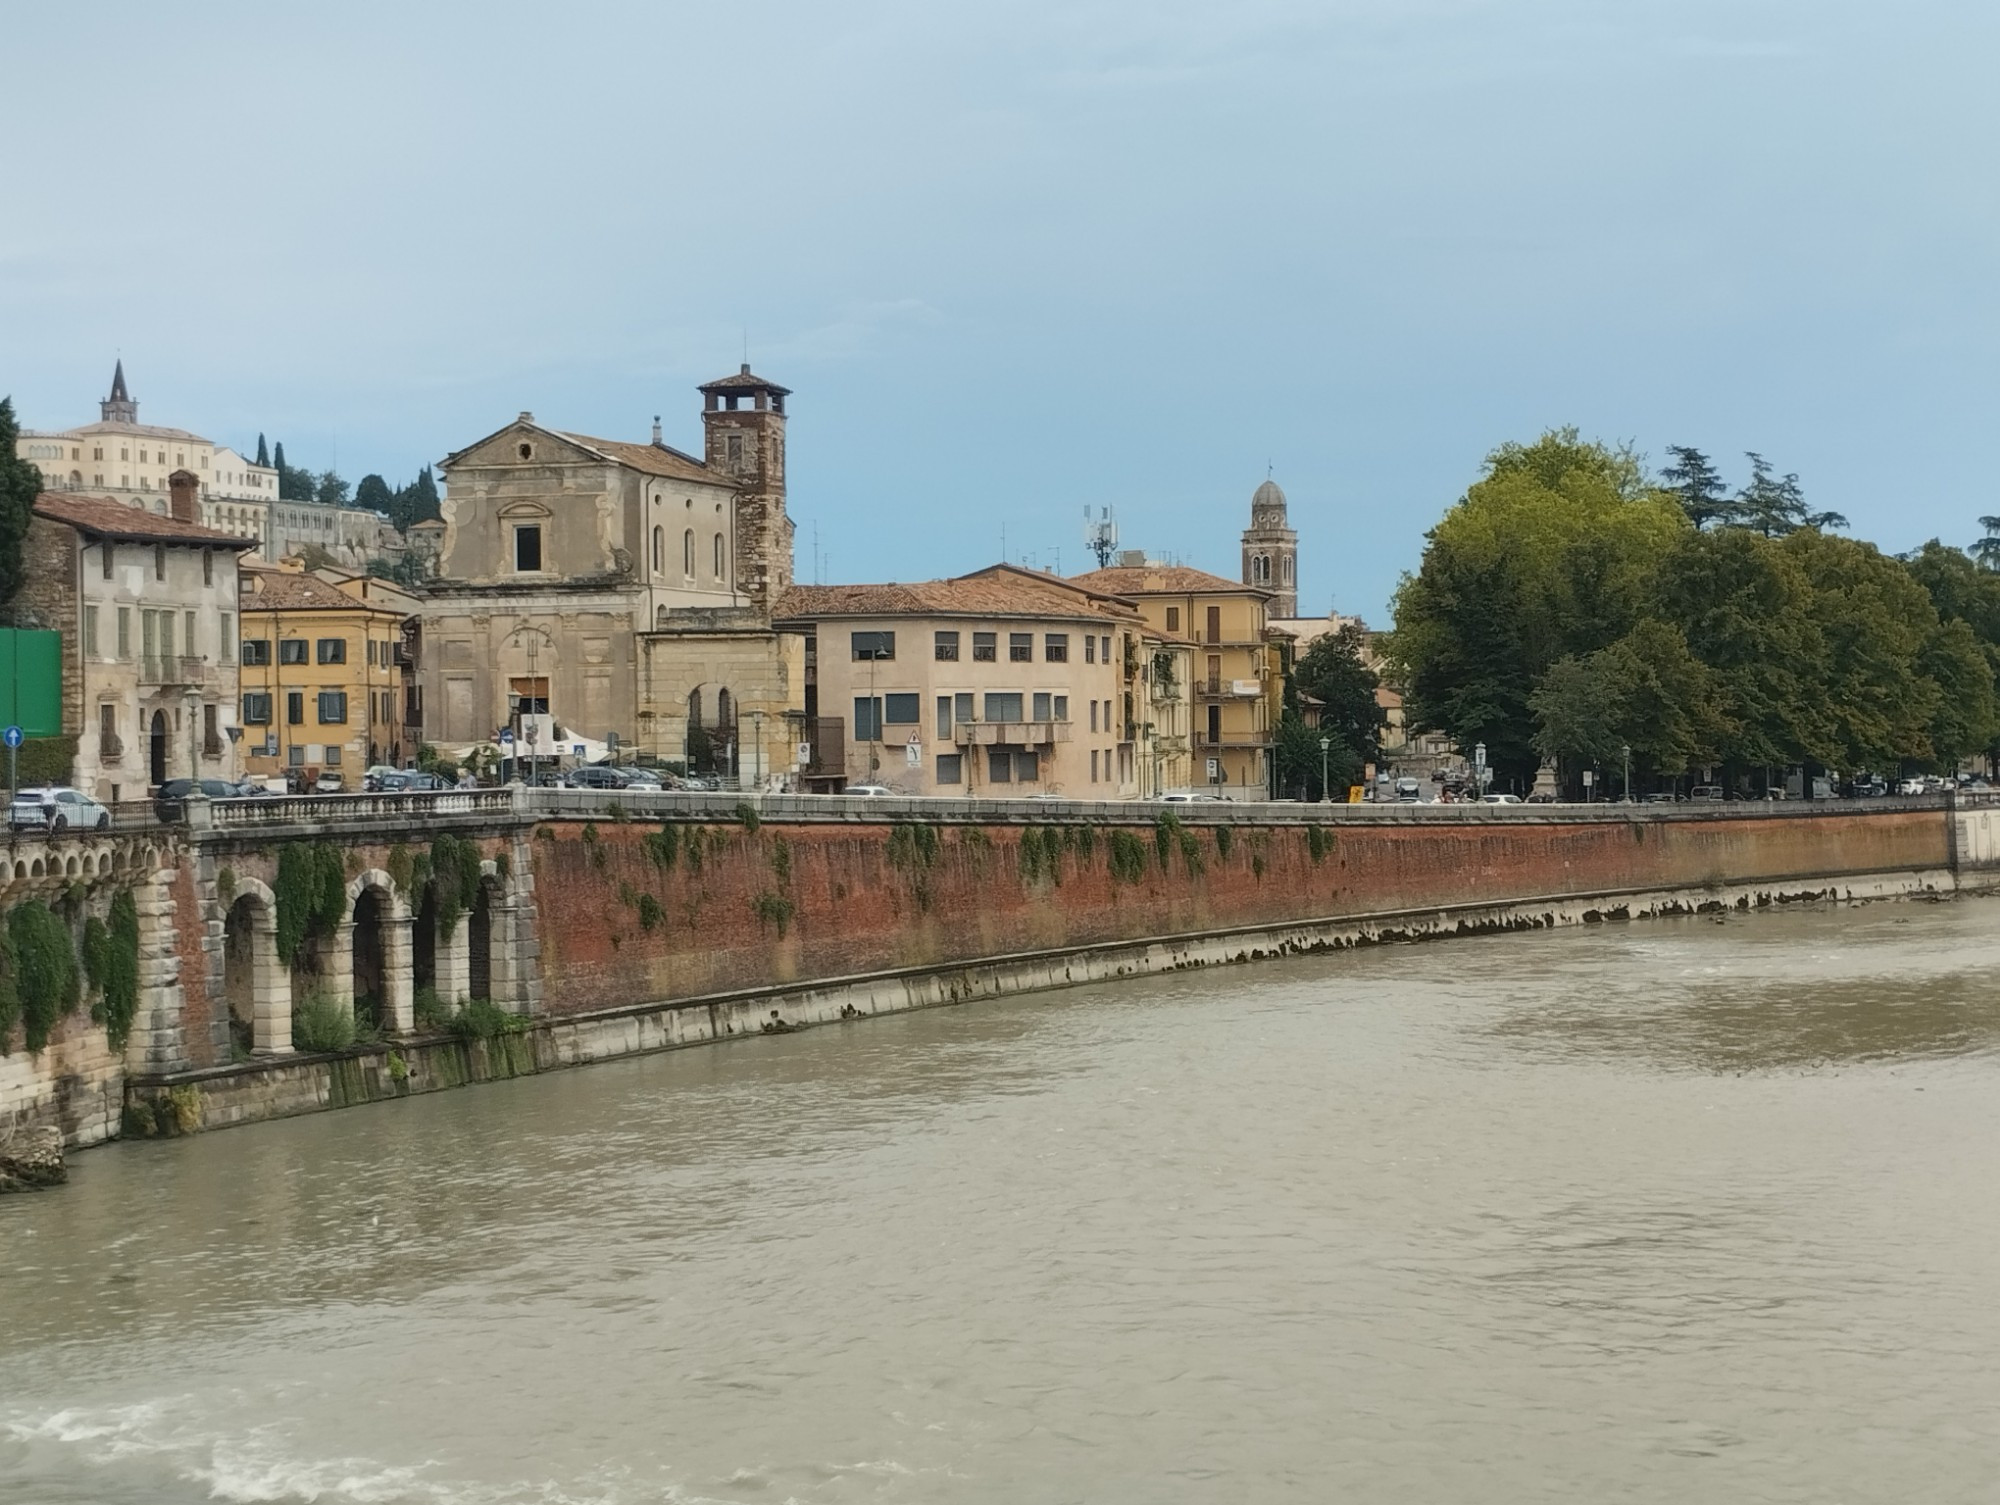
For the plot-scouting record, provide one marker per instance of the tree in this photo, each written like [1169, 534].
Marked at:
[1698, 487]
[1549, 555]
[373, 493]
[415, 503]
[1576, 709]
[1300, 759]
[263, 454]
[329, 490]
[20, 484]
[1987, 549]
[1331, 672]
[1776, 505]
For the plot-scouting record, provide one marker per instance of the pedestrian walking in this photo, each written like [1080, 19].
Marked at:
[48, 807]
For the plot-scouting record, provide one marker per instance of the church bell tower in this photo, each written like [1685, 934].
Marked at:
[743, 433]
[119, 406]
[1271, 551]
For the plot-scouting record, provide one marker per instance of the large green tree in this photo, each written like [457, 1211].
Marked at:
[1775, 505]
[1332, 673]
[20, 484]
[373, 493]
[1698, 486]
[1549, 555]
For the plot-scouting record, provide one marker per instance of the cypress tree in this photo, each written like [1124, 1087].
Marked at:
[263, 454]
[20, 483]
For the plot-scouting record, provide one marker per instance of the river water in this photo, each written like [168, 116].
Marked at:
[1666, 1211]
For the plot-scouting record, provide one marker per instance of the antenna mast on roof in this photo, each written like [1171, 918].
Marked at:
[1100, 535]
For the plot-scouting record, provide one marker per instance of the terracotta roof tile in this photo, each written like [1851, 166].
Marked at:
[654, 459]
[743, 380]
[105, 518]
[1014, 594]
[1162, 580]
[290, 590]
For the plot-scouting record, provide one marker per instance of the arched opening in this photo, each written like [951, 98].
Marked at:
[157, 749]
[423, 947]
[718, 556]
[479, 944]
[659, 548]
[257, 988]
[687, 553]
[371, 911]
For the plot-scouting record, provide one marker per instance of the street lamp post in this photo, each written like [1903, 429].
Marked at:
[1627, 752]
[1325, 746]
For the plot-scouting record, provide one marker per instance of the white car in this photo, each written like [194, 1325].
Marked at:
[74, 812]
[867, 789]
[1499, 799]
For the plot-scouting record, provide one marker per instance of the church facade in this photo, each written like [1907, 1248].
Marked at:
[592, 588]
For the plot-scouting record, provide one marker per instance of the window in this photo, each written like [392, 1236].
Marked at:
[257, 709]
[256, 651]
[332, 707]
[1027, 767]
[901, 710]
[943, 717]
[1214, 624]
[961, 708]
[1002, 706]
[107, 731]
[1061, 708]
[1055, 648]
[951, 768]
[371, 653]
[189, 642]
[226, 643]
[946, 650]
[687, 553]
[879, 646]
[1173, 619]
[208, 566]
[297, 756]
[90, 632]
[124, 632]
[166, 634]
[1020, 647]
[159, 561]
[295, 707]
[110, 553]
[983, 648]
[659, 548]
[528, 548]
[1089, 649]
[999, 766]
[1093, 715]
[867, 718]
[1093, 765]
[1043, 704]
[211, 732]
[292, 651]
[332, 757]
[718, 556]
[735, 447]
[1288, 570]
[333, 650]
[1104, 646]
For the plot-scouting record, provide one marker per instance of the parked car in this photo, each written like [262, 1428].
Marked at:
[74, 812]
[375, 780]
[330, 782]
[1910, 786]
[1177, 799]
[1705, 792]
[642, 779]
[1499, 799]
[871, 790]
[170, 799]
[595, 776]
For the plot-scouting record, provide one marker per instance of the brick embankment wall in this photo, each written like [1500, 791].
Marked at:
[628, 916]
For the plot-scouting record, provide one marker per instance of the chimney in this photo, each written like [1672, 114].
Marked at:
[185, 487]
[658, 442]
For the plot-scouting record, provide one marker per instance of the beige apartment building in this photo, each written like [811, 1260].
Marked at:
[146, 605]
[130, 462]
[1003, 683]
[1237, 685]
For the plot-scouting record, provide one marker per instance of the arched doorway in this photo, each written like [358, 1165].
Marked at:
[371, 909]
[157, 749]
[479, 945]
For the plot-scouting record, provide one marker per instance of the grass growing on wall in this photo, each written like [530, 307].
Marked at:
[1319, 841]
[320, 1024]
[663, 847]
[1041, 854]
[775, 909]
[1224, 840]
[1166, 836]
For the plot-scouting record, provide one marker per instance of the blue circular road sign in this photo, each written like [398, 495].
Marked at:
[14, 736]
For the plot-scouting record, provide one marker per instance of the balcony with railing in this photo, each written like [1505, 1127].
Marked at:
[174, 669]
[1010, 733]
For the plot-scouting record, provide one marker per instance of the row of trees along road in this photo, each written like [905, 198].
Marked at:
[1570, 606]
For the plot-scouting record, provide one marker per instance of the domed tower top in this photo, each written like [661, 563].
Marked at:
[1271, 550]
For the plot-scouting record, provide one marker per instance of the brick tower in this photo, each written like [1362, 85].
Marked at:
[743, 429]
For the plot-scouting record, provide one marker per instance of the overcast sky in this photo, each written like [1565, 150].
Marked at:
[1019, 259]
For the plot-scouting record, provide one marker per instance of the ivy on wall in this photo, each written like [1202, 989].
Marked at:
[454, 875]
[46, 978]
[311, 891]
[111, 962]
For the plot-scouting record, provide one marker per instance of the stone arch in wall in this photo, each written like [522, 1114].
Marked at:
[257, 985]
[371, 952]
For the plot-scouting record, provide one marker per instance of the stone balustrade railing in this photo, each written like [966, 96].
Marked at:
[348, 809]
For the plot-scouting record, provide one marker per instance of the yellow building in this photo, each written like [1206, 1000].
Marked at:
[320, 685]
[1237, 684]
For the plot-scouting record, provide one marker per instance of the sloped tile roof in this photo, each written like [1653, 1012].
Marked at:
[105, 518]
[654, 459]
[1162, 580]
[266, 589]
[1014, 594]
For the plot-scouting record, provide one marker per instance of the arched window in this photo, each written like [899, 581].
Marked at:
[659, 549]
[718, 556]
[1288, 569]
[725, 711]
[687, 553]
[694, 707]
